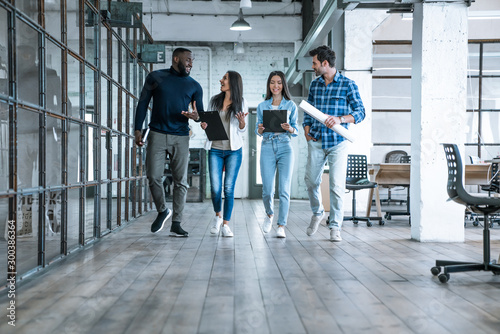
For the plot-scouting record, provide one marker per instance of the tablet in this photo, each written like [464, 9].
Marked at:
[272, 119]
[215, 129]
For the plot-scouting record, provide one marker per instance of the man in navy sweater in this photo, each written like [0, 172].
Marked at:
[172, 91]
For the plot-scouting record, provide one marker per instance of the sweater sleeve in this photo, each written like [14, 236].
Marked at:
[142, 106]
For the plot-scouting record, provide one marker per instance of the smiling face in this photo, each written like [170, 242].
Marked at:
[224, 83]
[276, 86]
[184, 63]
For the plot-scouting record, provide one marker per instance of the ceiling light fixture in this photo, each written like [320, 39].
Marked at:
[240, 24]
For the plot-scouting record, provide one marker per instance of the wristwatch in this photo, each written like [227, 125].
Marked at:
[342, 119]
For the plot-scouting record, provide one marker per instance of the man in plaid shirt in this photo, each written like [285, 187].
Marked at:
[337, 96]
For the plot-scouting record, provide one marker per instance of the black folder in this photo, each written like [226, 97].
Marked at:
[215, 129]
[272, 119]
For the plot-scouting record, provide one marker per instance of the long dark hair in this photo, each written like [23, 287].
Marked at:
[236, 89]
[285, 92]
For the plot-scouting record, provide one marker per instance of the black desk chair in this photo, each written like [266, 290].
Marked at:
[404, 159]
[357, 179]
[393, 157]
[482, 205]
[492, 187]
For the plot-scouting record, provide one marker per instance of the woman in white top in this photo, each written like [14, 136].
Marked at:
[226, 155]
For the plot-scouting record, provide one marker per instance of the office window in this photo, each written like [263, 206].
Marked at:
[91, 21]
[4, 146]
[125, 112]
[114, 107]
[90, 114]
[29, 8]
[53, 18]
[4, 69]
[74, 157]
[73, 87]
[28, 66]
[114, 57]
[73, 26]
[392, 96]
[483, 87]
[4, 211]
[53, 152]
[114, 205]
[104, 208]
[91, 153]
[27, 232]
[89, 205]
[53, 77]
[104, 50]
[28, 149]
[73, 223]
[93, 135]
[105, 101]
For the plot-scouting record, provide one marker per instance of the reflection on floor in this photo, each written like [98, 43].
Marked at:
[28, 218]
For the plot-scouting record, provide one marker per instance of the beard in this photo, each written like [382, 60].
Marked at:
[318, 72]
[182, 70]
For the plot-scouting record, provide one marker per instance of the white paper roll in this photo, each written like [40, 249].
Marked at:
[321, 117]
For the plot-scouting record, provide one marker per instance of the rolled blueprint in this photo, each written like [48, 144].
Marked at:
[321, 117]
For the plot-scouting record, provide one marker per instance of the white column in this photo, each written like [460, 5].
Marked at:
[358, 41]
[439, 82]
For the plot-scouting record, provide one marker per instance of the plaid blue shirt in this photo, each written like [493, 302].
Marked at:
[340, 98]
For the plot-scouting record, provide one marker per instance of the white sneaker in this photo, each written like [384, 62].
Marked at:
[268, 223]
[280, 232]
[313, 226]
[335, 234]
[215, 227]
[226, 231]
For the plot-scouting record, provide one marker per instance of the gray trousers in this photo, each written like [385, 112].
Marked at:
[177, 148]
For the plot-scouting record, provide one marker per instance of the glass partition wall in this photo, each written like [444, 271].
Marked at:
[69, 169]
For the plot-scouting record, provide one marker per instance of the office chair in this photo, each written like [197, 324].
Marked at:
[492, 187]
[404, 159]
[357, 179]
[482, 205]
[393, 157]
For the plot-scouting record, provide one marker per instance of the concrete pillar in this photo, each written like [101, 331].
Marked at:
[439, 82]
[358, 39]
[359, 26]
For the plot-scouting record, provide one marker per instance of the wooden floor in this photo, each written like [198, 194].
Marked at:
[376, 280]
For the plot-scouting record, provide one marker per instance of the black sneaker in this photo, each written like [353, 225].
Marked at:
[177, 231]
[160, 220]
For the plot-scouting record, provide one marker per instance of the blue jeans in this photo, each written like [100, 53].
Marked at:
[337, 162]
[220, 161]
[276, 151]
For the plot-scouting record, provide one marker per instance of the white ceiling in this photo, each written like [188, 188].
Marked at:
[209, 21]
[271, 21]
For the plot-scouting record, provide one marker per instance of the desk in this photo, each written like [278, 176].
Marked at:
[399, 174]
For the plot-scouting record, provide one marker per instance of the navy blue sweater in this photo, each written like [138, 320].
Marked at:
[171, 93]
